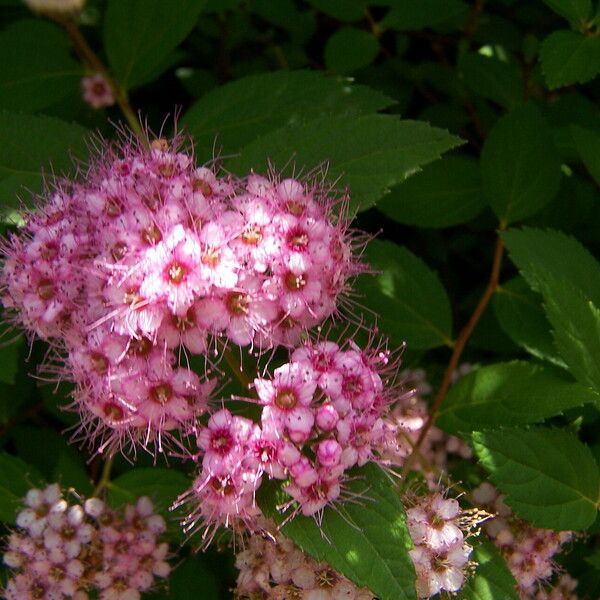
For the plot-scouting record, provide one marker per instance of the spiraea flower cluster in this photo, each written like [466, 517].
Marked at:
[150, 260]
[528, 551]
[322, 414]
[438, 528]
[271, 567]
[71, 550]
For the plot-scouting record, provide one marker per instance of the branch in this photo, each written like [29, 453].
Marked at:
[91, 59]
[461, 342]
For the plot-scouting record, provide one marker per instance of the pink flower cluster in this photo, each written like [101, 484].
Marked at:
[437, 527]
[528, 551]
[322, 414]
[150, 259]
[63, 550]
[272, 568]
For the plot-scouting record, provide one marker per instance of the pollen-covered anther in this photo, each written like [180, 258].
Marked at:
[286, 399]
[252, 235]
[176, 272]
[294, 282]
[237, 303]
[161, 393]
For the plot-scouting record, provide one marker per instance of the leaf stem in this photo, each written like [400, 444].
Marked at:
[104, 477]
[461, 342]
[91, 59]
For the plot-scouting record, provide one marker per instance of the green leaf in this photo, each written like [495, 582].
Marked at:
[350, 49]
[40, 71]
[492, 79]
[539, 254]
[16, 478]
[30, 144]
[419, 14]
[237, 113]
[576, 323]
[55, 459]
[408, 297]
[588, 146]
[367, 541]
[162, 486]
[140, 34]
[191, 580]
[10, 355]
[492, 579]
[347, 11]
[444, 193]
[549, 477]
[568, 57]
[520, 314]
[576, 12]
[519, 165]
[513, 393]
[367, 153]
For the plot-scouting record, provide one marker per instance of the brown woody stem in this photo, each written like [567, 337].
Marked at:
[459, 346]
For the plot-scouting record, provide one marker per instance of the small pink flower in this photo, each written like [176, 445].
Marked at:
[96, 91]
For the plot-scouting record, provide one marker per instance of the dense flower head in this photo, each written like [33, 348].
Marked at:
[439, 528]
[272, 568]
[529, 551]
[97, 91]
[321, 415]
[65, 550]
[324, 412]
[150, 259]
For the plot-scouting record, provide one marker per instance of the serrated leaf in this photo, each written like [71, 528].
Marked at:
[30, 144]
[238, 112]
[408, 297]
[16, 478]
[513, 393]
[41, 70]
[492, 579]
[576, 12]
[492, 79]
[520, 167]
[549, 477]
[140, 34]
[569, 57]
[366, 541]
[367, 153]
[587, 144]
[542, 253]
[350, 49]
[576, 327]
[444, 193]
[520, 314]
[419, 14]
